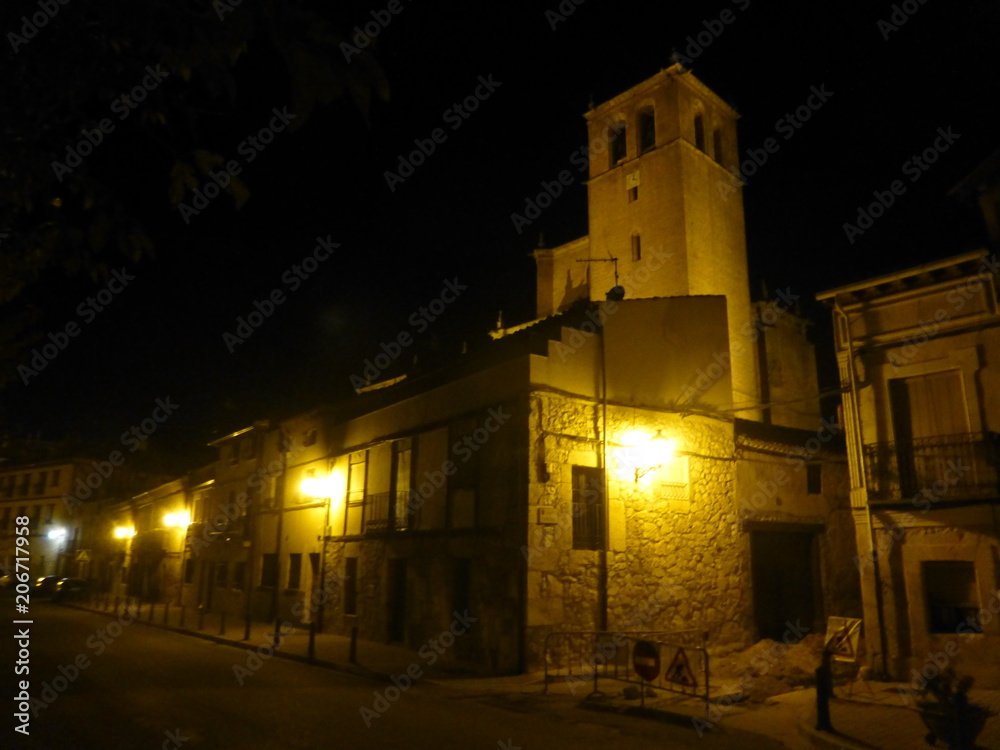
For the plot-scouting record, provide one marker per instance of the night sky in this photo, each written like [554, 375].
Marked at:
[163, 336]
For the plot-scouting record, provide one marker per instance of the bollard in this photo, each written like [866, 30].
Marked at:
[181, 624]
[277, 632]
[138, 608]
[353, 654]
[115, 610]
[312, 641]
[201, 618]
[152, 606]
[166, 613]
[222, 623]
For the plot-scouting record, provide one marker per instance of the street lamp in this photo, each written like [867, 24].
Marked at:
[57, 534]
[321, 488]
[177, 520]
[641, 453]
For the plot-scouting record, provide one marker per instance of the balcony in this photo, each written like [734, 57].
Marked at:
[383, 512]
[937, 469]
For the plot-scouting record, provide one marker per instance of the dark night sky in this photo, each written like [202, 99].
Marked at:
[163, 335]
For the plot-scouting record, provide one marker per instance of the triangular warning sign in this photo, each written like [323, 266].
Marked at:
[680, 672]
[841, 645]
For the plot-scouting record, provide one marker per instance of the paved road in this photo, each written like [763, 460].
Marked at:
[141, 687]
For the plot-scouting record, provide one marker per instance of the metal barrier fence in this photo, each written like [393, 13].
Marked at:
[581, 656]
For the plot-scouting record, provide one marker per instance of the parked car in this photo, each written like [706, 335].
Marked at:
[7, 581]
[71, 589]
[46, 585]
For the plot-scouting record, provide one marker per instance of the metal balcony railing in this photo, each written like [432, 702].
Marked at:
[934, 469]
[384, 512]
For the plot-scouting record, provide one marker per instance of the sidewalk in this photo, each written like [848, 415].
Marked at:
[872, 715]
[374, 660]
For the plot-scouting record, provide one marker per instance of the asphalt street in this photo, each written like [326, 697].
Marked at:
[98, 682]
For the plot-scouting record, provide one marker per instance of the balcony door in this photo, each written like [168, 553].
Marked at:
[926, 409]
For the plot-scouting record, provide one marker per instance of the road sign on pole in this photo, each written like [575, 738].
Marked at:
[842, 635]
[679, 671]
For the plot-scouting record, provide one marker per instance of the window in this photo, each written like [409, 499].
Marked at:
[25, 481]
[699, 131]
[309, 438]
[633, 194]
[295, 570]
[351, 586]
[356, 483]
[952, 601]
[636, 247]
[49, 512]
[647, 129]
[232, 457]
[717, 145]
[239, 575]
[247, 447]
[40, 483]
[402, 462]
[221, 574]
[616, 143]
[54, 481]
[269, 570]
[588, 508]
[5, 519]
[189, 571]
[814, 479]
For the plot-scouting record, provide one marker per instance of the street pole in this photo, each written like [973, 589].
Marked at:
[279, 502]
[250, 528]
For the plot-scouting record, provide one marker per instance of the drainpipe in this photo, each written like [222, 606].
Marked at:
[860, 463]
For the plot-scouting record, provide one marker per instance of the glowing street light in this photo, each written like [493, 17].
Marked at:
[318, 487]
[124, 532]
[640, 454]
[57, 534]
[177, 520]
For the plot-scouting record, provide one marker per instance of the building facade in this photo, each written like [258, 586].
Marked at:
[918, 356]
[609, 465]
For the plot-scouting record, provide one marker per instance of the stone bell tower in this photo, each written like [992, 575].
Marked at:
[663, 200]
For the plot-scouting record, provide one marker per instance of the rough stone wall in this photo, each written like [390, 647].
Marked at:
[675, 561]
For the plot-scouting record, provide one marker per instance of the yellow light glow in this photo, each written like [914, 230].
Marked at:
[177, 520]
[640, 452]
[57, 534]
[124, 532]
[319, 487]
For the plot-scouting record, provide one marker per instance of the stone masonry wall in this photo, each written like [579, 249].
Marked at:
[675, 560]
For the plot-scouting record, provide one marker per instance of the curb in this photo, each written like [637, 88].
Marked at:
[352, 669]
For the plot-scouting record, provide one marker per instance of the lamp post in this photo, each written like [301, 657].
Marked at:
[57, 536]
[181, 521]
[125, 533]
[320, 488]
